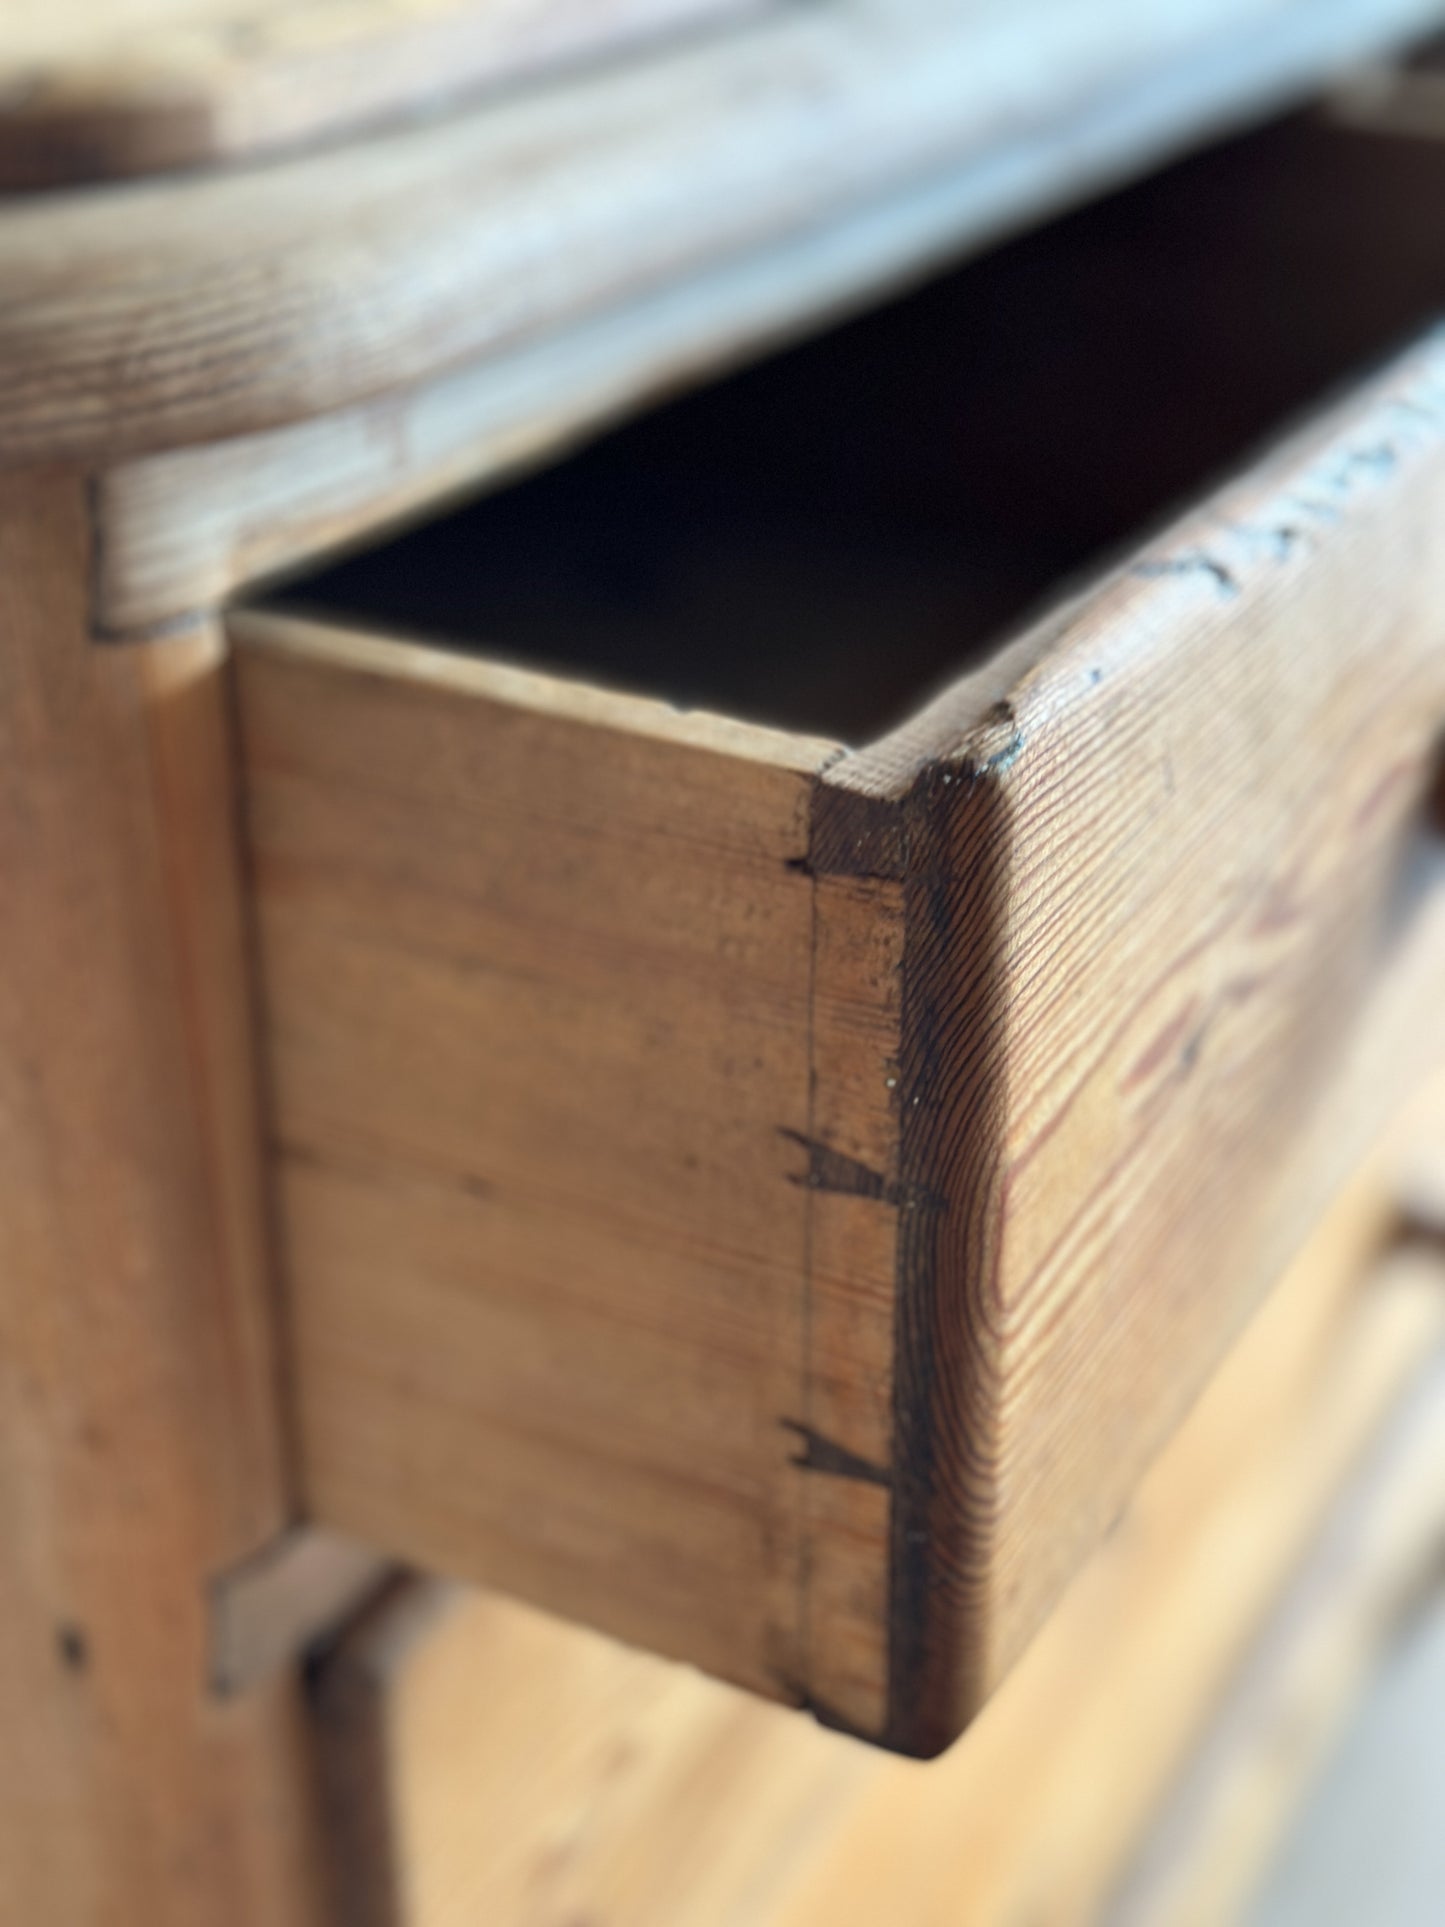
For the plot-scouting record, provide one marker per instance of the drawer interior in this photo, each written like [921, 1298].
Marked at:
[819, 540]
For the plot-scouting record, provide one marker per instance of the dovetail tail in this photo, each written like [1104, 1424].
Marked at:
[830, 1170]
[820, 1454]
[835, 1171]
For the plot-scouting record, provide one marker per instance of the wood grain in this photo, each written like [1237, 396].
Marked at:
[140, 1437]
[562, 932]
[1067, 1007]
[489, 1762]
[1166, 898]
[95, 90]
[200, 308]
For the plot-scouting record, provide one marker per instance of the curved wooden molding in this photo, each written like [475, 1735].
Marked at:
[96, 89]
[165, 313]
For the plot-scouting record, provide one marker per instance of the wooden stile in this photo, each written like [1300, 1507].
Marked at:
[141, 1445]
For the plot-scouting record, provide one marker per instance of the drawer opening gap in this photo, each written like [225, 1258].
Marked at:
[822, 539]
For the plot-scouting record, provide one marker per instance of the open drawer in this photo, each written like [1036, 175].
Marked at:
[770, 1197]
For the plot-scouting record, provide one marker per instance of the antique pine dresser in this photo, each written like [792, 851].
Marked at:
[721, 736]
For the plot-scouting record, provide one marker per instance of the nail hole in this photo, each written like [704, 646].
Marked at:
[73, 1647]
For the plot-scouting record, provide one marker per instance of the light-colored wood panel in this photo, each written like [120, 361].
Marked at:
[94, 89]
[491, 1762]
[537, 983]
[1352, 1599]
[139, 1429]
[213, 306]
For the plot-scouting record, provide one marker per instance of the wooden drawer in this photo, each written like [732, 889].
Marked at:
[771, 1198]
[487, 1762]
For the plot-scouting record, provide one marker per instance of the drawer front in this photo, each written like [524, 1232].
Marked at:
[771, 1200]
[1174, 926]
[487, 1762]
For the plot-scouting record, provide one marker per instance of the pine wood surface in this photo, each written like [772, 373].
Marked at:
[487, 1760]
[96, 89]
[719, 1374]
[208, 306]
[836, 1173]
[585, 959]
[140, 1430]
